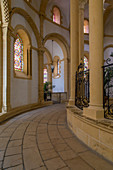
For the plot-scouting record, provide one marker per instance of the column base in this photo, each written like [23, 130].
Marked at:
[94, 112]
[4, 109]
[71, 102]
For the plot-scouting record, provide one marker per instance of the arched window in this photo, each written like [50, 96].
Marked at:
[56, 15]
[85, 63]
[22, 54]
[45, 75]
[86, 26]
[18, 54]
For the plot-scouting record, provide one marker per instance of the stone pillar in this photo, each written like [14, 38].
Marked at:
[49, 73]
[81, 29]
[41, 62]
[1, 63]
[5, 65]
[41, 24]
[74, 49]
[41, 75]
[66, 77]
[95, 109]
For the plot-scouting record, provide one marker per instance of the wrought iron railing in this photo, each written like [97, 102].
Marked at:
[108, 90]
[82, 87]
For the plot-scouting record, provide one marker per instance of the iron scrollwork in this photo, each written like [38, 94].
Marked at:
[82, 87]
[108, 90]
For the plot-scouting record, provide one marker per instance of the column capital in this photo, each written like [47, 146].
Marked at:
[41, 51]
[82, 3]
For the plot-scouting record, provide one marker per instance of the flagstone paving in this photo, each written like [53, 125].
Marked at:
[41, 140]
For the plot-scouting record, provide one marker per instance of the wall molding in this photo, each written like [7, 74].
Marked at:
[22, 109]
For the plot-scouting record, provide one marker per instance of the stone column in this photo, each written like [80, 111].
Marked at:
[1, 63]
[74, 49]
[95, 109]
[41, 62]
[49, 73]
[66, 77]
[41, 75]
[41, 24]
[81, 29]
[5, 65]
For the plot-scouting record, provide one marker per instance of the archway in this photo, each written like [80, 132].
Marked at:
[60, 40]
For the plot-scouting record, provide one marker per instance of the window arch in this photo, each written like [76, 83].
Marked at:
[86, 26]
[18, 54]
[22, 53]
[56, 15]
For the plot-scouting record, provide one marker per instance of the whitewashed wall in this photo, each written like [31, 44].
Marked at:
[64, 8]
[23, 5]
[24, 91]
[53, 28]
[20, 20]
[59, 83]
[57, 51]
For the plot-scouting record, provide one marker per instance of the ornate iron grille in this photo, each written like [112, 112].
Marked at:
[108, 90]
[82, 87]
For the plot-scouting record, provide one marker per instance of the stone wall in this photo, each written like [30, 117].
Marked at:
[98, 135]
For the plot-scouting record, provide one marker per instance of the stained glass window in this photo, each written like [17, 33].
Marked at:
[86, 26]
[18, 54]
[45, 75]
[56, 15]
[85, 63]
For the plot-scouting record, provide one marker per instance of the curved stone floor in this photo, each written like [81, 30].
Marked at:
[40, 140]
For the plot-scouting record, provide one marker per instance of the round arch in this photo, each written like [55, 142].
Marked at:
[48, 55]
[107, 13]
[30, 21]
[21, 27]
[49, 59]
[61, 41]
[27, 43]
[108, 46]
[65, 49]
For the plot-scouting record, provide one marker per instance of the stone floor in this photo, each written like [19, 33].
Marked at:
[40, 140]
